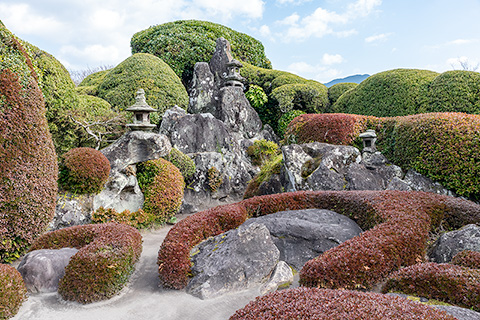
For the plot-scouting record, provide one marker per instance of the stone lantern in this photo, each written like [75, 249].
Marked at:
[233, 77]
[369, 137]
[141, 113]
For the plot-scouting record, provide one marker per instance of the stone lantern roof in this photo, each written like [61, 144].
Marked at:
[369, 137]
[233, 78]
[141, 113]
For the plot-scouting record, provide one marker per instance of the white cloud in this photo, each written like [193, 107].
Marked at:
[265, 31]
[22, 19]
[461, 42]
[92, 55]
[377, 38]
[324, 22]
[330, 59]
[317, 72]
[226, 9]
[105, 19]
[294, 2]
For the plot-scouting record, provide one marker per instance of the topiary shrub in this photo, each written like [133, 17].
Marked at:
[285, 120]
[391, 93]
[441, 146]
[397, 224]
[84, 170]
[163, 89]
[183, 162]
[163, 186]
[308, 97]
[323, 304]
[12, 290]
[28, 168]
[467, 258]
[261, 151]
[138, 219]
[90, 84]
[335, 91]
[183, 43]
[446, 282]
[105, 260]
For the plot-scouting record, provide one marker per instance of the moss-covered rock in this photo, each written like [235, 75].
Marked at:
[28, 168]
[183, 43]
[163, 89]
[335, 91]
[391, 93]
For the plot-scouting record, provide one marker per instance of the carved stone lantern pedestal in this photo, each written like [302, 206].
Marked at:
[141, 113]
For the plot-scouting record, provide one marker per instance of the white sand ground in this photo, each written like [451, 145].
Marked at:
[142, 299]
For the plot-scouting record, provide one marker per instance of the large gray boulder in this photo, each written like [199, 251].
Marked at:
[203, 93]
[233, 261]
[453, 242]
[419, 182]
[42, 269]
[219, 60]
[71, 210]
[302, 235]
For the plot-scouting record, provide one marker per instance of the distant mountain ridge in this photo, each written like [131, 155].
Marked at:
[357, 78]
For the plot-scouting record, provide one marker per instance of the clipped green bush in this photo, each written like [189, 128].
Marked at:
[285, 120]
[183, 43]
[84, 171]
[324, 304]
[397, 228]
[183, 162]
[90, 84]
[335, 91]
[163, 186]
[391, 93]
[454, 91]
[28, 163]
[441, 146]
[256, 96]
[262, 150]
[102, 266]
[12, 290]
[445, 282]
[163, 89]
[467, 258]
[138, 219]
[308, 97]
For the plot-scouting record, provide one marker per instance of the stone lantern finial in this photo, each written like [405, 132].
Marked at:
[369, 137]
[141, 113]
[233, 77]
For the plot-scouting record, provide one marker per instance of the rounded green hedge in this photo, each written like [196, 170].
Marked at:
[391, 93]
[163, 89]
[183, 162]
[335, 91]
[90, 83]
[183, 43]
[84, 171]
[163, 186]
[28, 163]
[12, 290]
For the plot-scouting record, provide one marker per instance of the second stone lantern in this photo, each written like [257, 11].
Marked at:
[141, 113]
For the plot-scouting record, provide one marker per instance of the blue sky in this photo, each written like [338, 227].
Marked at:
[320, 40]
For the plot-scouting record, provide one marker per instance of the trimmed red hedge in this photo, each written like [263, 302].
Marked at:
[325, 304]
[442, 146]
[12, 291]
[467, 258]
[398, 223]
[446, 282]
[99, 270]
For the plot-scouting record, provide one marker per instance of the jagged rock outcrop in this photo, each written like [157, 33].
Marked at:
[453, 242]
[71, 210]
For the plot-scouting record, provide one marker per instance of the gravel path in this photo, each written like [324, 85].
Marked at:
[141, 299]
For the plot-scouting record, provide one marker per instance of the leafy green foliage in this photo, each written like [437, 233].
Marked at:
[163, 89]
[12, 290]
[391, 93]
[90, 84]
[335, 91]
[183, 162]
[323, 304]
[163, 186]
[84, 171]
[138, 219]
[285, 120]
[256, 96]
[183, 43]
[102, 266]
[445, 282]
[28, 169]
[262, 151]
[397, 224]
[442, 146]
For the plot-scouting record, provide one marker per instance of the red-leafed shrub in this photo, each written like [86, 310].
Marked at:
[163, 185]
[467, 258]
[102, 266]
[84, 170]
[446, 282]
[28, 164]
[442, 146]
[325, 304]
[12, 291]
[398, 223]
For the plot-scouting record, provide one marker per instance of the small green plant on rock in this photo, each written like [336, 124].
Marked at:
[183, 162]
[214, 179]
[262, 151]
[138, 219]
